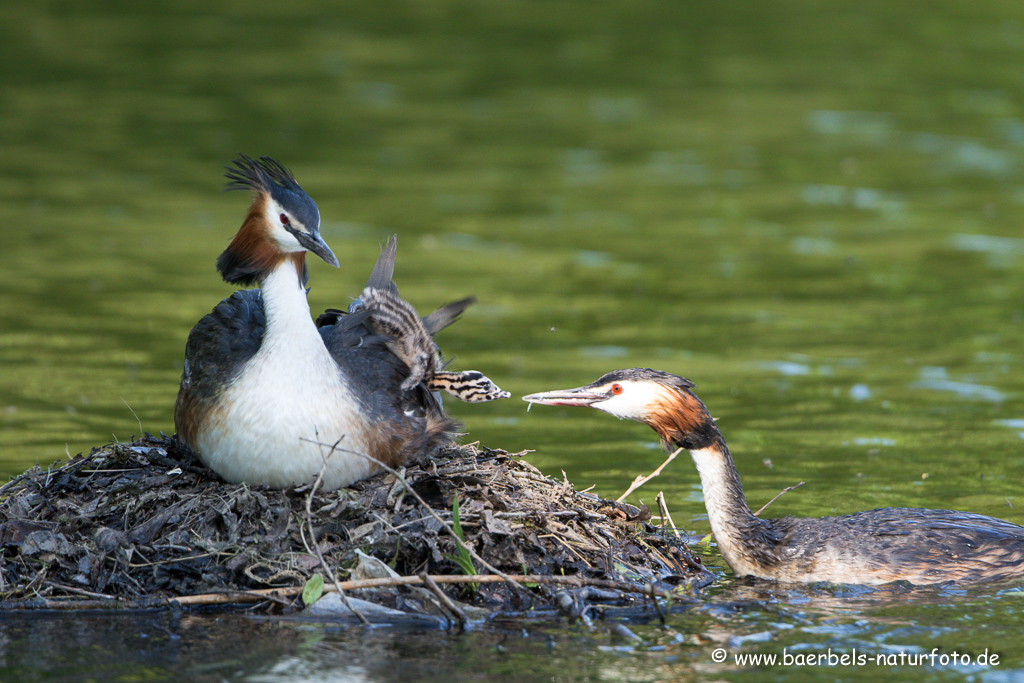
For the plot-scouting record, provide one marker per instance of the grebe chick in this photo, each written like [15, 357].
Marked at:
[872, 547]
[411, 338]
[263, 389]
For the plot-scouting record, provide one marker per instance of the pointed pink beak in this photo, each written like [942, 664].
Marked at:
[582, 396]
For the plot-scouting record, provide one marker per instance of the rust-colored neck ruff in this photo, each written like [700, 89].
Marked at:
[252, 254]
[682, 420]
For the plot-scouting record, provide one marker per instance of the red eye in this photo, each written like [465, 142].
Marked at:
[284, 220]
[616, 389]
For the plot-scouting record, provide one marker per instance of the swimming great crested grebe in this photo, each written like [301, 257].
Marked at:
[872, 547]
[264, 387]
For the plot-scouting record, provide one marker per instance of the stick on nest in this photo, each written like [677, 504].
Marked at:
[142, 525]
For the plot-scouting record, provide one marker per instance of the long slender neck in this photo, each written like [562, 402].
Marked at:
[740, 536]
[682, 419]
[284, 300]
[723, 492]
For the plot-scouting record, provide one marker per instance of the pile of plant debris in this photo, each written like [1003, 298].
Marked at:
[144, 525]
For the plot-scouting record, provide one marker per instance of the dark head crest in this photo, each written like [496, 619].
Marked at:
[262, 175]
[646, 375]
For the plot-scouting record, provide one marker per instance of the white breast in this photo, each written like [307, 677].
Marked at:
[288, 400]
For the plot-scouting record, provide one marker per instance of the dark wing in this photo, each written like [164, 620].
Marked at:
[368, 362]
[446, 315]
[342, 332]
[380, 279]
[224, 340]
[384, 269]
[217, 348]
[946, 531]
[434, 323]
[332, 316]
[947, 544]
[959, 531]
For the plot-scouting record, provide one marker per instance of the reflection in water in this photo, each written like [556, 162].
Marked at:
[116, 647]
[746, 618]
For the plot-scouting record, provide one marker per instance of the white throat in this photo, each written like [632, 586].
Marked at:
[713, 480]
[287, 309]
[728, 513]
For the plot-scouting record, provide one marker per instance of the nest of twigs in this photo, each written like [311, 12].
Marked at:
[144, 525]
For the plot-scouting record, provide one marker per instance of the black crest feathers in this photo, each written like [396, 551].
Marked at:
[259, 175]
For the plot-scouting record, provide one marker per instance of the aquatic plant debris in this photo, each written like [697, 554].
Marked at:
[143, 525]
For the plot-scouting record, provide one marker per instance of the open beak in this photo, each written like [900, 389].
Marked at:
[582, 396]
[313, 242]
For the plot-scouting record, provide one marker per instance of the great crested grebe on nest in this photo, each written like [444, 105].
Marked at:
[266, 393]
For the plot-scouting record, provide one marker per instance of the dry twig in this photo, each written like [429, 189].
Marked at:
[641, 480]
[279, 594]
[316, 544]
[785, 490]
[487, 565]
[393, 581]
[666, 518]
[444, 599]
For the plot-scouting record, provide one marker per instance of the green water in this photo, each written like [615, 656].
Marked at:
[812, 213]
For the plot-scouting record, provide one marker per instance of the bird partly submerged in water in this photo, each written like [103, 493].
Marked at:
[873, 547]
[269, 397]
